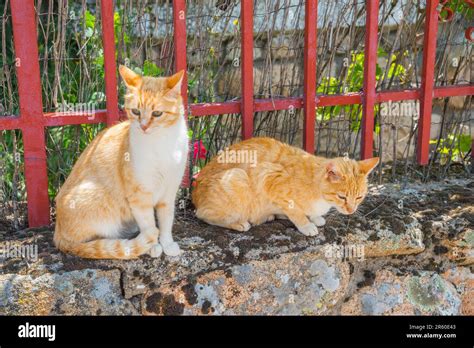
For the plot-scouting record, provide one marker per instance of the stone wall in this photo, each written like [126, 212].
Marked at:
[406, 251]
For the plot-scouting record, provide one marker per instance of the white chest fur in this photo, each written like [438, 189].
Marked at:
[159, 158]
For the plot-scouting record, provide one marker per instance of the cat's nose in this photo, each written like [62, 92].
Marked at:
[144, 127]
[350, 209]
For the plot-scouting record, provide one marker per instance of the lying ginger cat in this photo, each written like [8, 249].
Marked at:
[235, 192]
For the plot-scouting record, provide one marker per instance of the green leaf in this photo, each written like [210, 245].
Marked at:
[465, 143]
[381, 52]
[151, 69]
[89, 19]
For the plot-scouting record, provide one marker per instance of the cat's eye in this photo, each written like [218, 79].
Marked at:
[341, 197]
[156, 113]
[136, 112]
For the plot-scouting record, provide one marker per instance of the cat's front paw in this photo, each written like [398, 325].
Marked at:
[309, 230]
[241, 227]
[318, 220]
[150, 236]
[156, 251]
[171, 249]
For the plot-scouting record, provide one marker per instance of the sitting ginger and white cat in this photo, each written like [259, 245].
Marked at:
[125, 173]
[286, 182]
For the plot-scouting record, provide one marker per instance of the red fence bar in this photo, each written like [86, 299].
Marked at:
[205, 109]
[427, 82]
[110, 66]
[58, 118]
[340, 99]
[31, 111]
[179, 22]
[247, 108]
[10, 122]
[452, 91]
[370, 63]
[180, 63]
[278, 104]
[310, 40]
[395, 96]
[233, 107]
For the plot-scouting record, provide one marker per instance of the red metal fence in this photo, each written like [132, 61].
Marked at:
[32, 121]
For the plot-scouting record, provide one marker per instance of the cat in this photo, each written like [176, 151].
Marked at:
[283, 182]
[125, 173]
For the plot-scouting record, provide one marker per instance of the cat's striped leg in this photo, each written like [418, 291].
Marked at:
[142, 210]
[165, 212]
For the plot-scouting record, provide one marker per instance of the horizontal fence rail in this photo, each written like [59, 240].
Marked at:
[32, 121]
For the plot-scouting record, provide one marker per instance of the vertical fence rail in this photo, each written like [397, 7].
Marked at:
[370, 64]
[310, 54]
[110, 66]
[427, 82]
[180, 62]
[31, 111]
[247, 109]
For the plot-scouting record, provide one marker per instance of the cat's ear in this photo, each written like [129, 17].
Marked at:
[174, 84]
[366, 166]
[333, 174]
[131, 78]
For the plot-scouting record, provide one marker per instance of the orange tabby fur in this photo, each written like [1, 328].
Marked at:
[105, 194]
[285, 182]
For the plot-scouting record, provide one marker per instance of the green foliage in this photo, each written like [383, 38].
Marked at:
[89, 21]
[453, 147]
[460, 7]
[118, 28]
[353, 82]
[10, 159]
[151, 69]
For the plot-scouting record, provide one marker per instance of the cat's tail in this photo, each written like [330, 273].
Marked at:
[124, 249]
